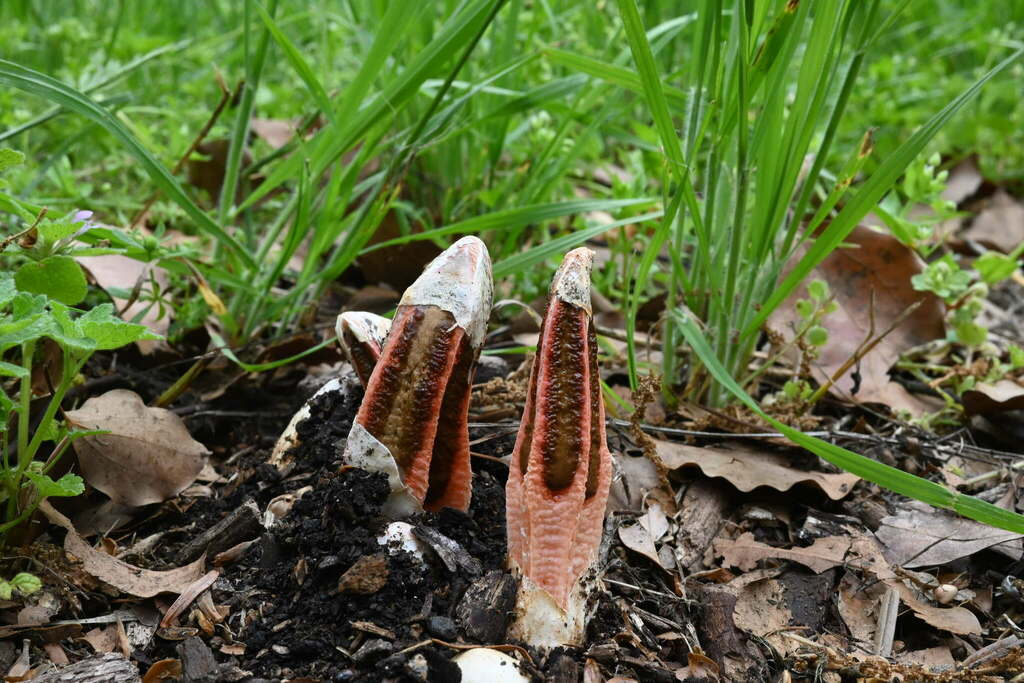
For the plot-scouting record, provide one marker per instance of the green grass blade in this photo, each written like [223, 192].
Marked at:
[298, 63]
[330, 143]
[891, 478]
[507, 219]
[243, 115]
[537, 254]
[53, 90]
[653, 88]
[610, 73]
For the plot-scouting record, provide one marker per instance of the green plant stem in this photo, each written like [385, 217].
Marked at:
[72, 366]
[727, 347]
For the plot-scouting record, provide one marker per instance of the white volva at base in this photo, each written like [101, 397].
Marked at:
[539, 621]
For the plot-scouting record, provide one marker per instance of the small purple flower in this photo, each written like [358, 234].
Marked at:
[83, 217]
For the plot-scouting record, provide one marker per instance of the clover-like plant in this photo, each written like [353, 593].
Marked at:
[413, 421]
[560, 472]
[26, 320]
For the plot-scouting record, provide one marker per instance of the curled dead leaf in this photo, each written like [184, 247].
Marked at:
[747, 468]
[1002, 396]
[919, 535]
[142, 583]
[148, 455]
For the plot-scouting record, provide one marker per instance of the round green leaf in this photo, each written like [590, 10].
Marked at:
[58, 277]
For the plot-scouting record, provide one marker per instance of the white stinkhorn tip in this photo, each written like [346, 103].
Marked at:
[458, 281]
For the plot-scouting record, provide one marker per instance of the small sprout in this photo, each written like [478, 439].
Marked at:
[942, 277]
[1016, 356]
[994, 267]
[23, 582]
[817, 336]
[818, 290]
[945, 593]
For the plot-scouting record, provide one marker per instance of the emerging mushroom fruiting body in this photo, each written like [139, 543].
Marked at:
[413, 421]
[362, 337]
[560, 472]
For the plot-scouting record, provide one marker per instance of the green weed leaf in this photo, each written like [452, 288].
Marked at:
[108, 331]
[67, 486]
[9, 158]
[58, 277]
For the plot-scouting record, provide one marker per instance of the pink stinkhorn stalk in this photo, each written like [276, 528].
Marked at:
[561, 467]
[362, 337]
[413, 422]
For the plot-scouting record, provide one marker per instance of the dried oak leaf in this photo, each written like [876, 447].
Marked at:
[747, 468]
[142, 583]
[876, 264]
[148, 455]
[744, 552]
[1003, 396]
[919, 535]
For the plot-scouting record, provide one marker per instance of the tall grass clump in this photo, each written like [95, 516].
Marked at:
[746, 126]
[745, 186]
[410, 128]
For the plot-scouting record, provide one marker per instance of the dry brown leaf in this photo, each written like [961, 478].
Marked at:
[638, 539]
[934, 658]
[857, 603]
[636, 479]
[747, 468]
[147, 457]
[187, 597]
[964, 180]
[919, 535]
[1000, 225]
[744, 552]
[56, 654]
[958, 620]
[142, 583]
[881, 265]
[275, 132]
[763, 610]
[698, 668]
[1000, 397]
[102, 639]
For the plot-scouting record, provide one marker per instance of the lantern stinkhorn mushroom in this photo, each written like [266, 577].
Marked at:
[362, 337]
[560, 472]
[413, 421]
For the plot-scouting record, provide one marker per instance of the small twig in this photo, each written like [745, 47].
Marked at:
[865, 348]
[4, 243]
[488, 457]
[886, 628]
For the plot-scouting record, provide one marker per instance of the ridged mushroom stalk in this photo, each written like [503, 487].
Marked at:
[560, 472]
[413, 421]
